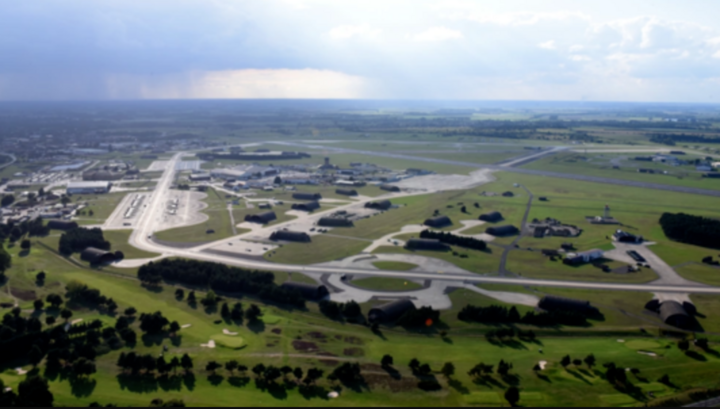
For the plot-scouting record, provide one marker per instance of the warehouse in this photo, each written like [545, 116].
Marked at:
[78, 188]
[261, 218]
[501, 231]
[382, 205]
[97, 256]
[307, 196]
[285, 235]
[312, 292]
[553, 303]
[492, 217]
[201, 177]
[62, 225]
[438, 222]
[306, 207]
[426, 244]
[335, 222]
[346, 192]
[390, 312]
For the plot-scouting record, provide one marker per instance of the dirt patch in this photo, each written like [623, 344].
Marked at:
[354, 341]
[25, 295]
[316, 335]
[338, 337]
[354, 352]
[304, 346]
[372, 367]
[403, 384]
[328, 362]
[276, 331]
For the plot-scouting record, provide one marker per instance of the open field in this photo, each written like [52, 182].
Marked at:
[219, 221]
[321, 249]
[102, 207]
[119, 241]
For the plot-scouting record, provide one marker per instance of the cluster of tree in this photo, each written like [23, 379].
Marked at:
[83, 327]
[32, 392]
[589, 361]
[15, 231]
[672, 139]
[134, 363]
[78, 239]
[81, 293]
[499, 314]
[346, 373]
[419, 317]
[451, 239]
[697, 230]
[271, 373]
[235, 314]
[510, 333]
[220, 277]
[172, 403]
[481, 369]
[13, 324]
[156, 323]
[122, 326]
[333, 309]
[419, 369]
[5, 261]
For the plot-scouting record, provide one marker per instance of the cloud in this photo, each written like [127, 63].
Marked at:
[348, 31]
[548, 45]
[438, 34]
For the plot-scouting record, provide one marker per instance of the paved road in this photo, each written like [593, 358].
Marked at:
[505, 167]
[503, 259]
[12, 160]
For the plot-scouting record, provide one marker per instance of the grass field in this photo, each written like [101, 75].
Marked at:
[386, 284]
[219, 221]
[119, 240]
[576, 386]
[321, 249]
[102, 207]
[701, 273]
[394, 265]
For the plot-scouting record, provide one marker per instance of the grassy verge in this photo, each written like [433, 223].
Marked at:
[386, 284]
[321, 249]
[119, 240]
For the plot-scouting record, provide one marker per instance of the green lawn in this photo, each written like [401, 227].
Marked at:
[386, 284]
[219, 221]
[119, 240]
[102, 207]
[701, 273]
[476, 261]
[394, 265]
[240, 211]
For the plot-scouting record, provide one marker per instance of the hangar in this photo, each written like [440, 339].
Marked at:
[285, 235]
[261, 218]
[439, 221]
[502, 231]
[306, 207]
[97, 256]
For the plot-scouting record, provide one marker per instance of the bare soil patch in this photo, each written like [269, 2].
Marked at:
[354, 341]
[316, 335]
[276, 331]
[354, 352]
[328, 362]
[304, 346]
[403, 384]
[25, 295]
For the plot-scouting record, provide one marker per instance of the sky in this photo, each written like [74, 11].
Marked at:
[549, 50]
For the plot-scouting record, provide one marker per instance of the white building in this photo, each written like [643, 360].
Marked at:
[77, 188]
[244, 172]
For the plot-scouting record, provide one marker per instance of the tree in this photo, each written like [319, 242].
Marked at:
[537, 368]
[277, 181]
[5, 259]
[210, 298]
[130, 311]
[162, 365]
[298, 372]
[7, 200]
[231, 366]
[64, 199]
[191, 298]
[186, 363]
[313, 374]
[414, 364]
[54, 300]
[665, 379]
[122, 323]
[66, 314]
[565, 361]
[463, 209]
[258, 370]
[577, 362]
[212, 366]
[35, 355]
[174, 327]
[34, 391]
[49, 320]
[448, 370]
[225, 311]
[513, 315]
[253, 313]
[128, 335]
[286, 370]
[25, 244]
[512, 395]
[111, 306]
[272, 373]
[38, 304]
[386, 361]
[40, 277]
[504, 368]
[174, 363]
[424, 370]
[701, 343]
[84, 367]
[589, 361]
[179, 294]
[683, 345]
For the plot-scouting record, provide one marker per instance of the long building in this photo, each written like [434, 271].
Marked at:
[78, 188]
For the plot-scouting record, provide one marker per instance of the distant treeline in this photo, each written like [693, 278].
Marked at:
[495, 314]
[221, 278]
[78, 239]
[14, 232]
[672, 139]
[451, 239]
[697, 230]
